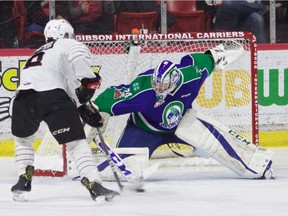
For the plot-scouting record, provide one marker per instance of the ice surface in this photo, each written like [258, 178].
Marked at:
[197, 191]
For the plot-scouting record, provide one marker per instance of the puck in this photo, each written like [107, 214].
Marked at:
[140, 190]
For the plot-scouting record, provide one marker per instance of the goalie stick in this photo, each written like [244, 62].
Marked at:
[129, 175]
[115, 160]
[137, 186]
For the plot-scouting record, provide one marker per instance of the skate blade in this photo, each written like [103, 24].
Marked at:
[20, 196]
[269, 174]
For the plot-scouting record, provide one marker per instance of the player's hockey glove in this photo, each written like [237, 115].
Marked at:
[87, 89]
[91, 116]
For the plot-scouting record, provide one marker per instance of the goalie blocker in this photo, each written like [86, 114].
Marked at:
[212, 139]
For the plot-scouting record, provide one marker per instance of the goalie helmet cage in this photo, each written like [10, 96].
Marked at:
[228, 96]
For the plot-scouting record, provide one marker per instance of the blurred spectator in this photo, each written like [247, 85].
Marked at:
[245, 15]
[91, 17]
[7, 25]
[38, 14]
[210, 9]
[143, 6]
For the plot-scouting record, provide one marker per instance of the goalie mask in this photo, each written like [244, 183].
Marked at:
[58, 29]
[166, 78]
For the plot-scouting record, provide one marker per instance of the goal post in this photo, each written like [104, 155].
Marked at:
[50, 158]
[228, 96]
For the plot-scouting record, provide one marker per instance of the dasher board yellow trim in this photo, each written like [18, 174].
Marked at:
[274, 139]
[268, 139]
[7, 147]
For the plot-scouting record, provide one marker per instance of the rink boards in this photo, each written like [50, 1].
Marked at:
[270, 139]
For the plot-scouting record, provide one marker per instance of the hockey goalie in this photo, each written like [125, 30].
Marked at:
[159, 102]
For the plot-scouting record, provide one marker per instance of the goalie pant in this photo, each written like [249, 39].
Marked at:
[135, 137]
[212, 139]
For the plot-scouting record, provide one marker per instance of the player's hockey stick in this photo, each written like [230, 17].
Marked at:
[109, 159]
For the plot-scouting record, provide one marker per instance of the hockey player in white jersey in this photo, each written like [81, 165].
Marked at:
[55, 73]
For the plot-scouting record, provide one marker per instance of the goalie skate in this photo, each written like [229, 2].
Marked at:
[23, 186]
[269, 173]
[99, 193]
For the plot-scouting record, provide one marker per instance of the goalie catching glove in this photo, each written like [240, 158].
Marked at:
[224, 54]
[87, 89]
[90, 115]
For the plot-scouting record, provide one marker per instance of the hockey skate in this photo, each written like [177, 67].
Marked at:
[269, 173]
[23, 186]
[99, 193]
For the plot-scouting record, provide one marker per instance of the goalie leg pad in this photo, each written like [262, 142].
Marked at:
[242, 157]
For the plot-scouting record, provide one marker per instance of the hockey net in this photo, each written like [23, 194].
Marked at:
[229, 96]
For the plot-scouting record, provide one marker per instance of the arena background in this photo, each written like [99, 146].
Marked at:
[272, 77]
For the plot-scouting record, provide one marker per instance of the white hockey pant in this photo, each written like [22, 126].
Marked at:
[211, 138]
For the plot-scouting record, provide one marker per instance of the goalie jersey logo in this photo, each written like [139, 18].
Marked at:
[172, 115]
